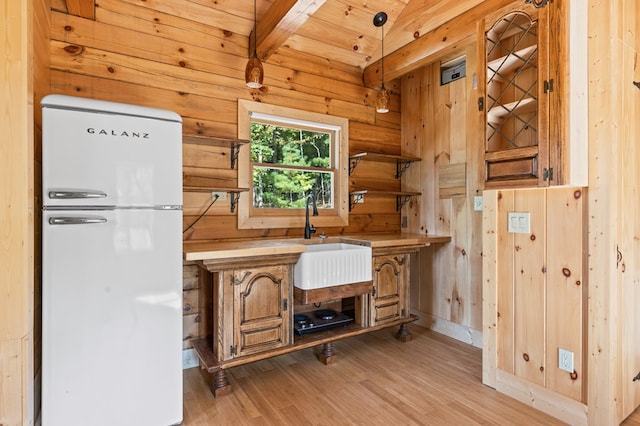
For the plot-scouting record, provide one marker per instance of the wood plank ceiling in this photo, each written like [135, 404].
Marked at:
[340, 31]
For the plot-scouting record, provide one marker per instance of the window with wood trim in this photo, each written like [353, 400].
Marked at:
[293, 154]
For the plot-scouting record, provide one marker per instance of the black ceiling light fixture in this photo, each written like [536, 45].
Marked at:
[254, 73]
[382, 100]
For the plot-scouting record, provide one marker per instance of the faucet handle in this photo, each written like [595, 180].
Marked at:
[312, 229]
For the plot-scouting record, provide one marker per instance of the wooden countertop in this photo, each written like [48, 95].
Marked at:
[203, 250]
[396, 240]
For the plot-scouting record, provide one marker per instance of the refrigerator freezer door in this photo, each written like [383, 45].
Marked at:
[112, 318]
[94, 158]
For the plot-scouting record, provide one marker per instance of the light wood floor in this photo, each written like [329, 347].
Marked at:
[431, 380]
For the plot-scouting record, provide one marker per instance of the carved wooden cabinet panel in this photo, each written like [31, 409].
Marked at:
[261, 311]
[390, 288]
[253, 310]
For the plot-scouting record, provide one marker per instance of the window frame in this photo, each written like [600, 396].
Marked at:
[257, 218]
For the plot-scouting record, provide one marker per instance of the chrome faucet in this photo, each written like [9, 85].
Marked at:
[310, 229]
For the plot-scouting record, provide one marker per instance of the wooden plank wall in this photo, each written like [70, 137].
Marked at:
[535, 295]
[141, 52]
[542, 288]
[442, 125]
[628, 271]
[25, 62]
[614, 179]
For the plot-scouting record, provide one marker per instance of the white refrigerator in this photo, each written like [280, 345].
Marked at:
[111, 264]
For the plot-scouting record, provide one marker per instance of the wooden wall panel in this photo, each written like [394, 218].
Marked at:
[152, 54]
[540, 288]
[628, 271]
[445, 133]
[24, 79]
[566, 289]
[529, 288]
[606, 114]
[505, 314]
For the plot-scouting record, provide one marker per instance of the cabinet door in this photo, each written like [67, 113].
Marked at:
[390, 273]
[261, 309]
[517, 86]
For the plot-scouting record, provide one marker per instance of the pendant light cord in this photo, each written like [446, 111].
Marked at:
[255, 29]
[382, 57]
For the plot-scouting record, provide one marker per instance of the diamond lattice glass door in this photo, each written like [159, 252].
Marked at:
[512, 99]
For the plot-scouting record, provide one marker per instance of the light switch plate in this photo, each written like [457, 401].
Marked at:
[519, 222]
[477, 203]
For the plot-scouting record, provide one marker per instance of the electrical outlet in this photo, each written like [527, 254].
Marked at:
[565, 360]
[222, 195]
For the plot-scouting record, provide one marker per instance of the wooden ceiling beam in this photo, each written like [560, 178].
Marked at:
[283, 19]
[82, 8]
[432, 45]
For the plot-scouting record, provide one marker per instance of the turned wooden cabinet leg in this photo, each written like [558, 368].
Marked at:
[220, 385]
[327, 354]
[404, 335]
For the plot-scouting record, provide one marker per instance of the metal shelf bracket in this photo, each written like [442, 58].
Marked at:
[355, 199]
[401, 167]
[235, 151]
[401, 200]
[235, 196]
[353, 163]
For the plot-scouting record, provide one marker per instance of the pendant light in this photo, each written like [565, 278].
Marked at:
[254, 73]
[382, 100]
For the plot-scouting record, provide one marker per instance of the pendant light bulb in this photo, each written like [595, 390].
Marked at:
[254, 73]
[382, 99]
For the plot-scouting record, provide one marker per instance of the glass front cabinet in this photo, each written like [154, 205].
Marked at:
[518, 98]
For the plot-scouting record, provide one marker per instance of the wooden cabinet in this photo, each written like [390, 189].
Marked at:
[390, 288]
[248, 302]
[389, 300]
[526, 99]
[252, 308]
[261, 308]
[518, 92]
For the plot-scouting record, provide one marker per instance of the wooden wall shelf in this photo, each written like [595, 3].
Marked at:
[402, 163]
[401, 197]
[233, 144]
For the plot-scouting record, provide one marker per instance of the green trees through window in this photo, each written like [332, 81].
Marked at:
[289, 163]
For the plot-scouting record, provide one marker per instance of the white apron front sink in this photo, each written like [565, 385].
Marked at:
[331, 264]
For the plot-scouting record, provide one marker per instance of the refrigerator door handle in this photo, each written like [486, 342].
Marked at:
[63, 220]
[65, 195]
